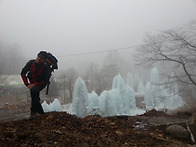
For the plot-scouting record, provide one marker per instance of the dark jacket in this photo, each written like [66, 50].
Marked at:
[35, 73]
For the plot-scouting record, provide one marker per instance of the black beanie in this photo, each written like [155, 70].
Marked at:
[42, 54]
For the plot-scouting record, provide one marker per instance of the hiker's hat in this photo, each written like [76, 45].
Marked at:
[42, 54]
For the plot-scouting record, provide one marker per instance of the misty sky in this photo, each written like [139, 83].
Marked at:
[66, 27]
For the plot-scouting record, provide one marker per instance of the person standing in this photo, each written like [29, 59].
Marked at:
[35, 75]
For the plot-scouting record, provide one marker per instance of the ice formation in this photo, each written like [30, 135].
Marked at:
[54, 106]
[119, 100]
[80, 106]
[159, 98]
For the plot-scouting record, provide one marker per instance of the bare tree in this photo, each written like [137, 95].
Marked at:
[177, 48]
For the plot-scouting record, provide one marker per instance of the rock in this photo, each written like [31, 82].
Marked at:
[178, 132]
[192, 125]
[119, 133]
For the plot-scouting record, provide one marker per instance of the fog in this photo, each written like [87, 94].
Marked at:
[81, 32]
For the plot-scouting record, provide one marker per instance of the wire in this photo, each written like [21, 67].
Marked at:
[88, 53]
[97, 52]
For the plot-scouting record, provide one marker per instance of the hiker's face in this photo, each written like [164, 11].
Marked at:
[40, 60]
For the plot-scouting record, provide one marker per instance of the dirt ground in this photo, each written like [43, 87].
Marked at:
[62, 129]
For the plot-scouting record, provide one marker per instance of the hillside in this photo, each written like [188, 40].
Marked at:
[62, 129]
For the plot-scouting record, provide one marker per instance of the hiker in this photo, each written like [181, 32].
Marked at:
[36, 75]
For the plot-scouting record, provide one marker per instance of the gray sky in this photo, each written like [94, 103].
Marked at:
[65, 27]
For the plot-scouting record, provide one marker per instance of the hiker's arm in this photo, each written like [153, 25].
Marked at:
[24, 72]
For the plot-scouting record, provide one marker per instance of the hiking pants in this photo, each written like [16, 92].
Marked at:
[36, 106]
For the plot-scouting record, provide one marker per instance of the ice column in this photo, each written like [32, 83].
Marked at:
[80, 99]
[93, 101]
[54, 106]
[155, 86]
[148, 97]
[156, 96]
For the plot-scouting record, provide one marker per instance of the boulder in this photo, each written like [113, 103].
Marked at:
[178, 132]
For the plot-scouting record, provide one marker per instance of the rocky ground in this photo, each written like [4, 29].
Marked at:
[62, 129]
